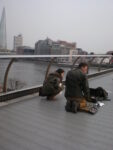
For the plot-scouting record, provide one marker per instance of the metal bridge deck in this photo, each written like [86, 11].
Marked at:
[37, 124]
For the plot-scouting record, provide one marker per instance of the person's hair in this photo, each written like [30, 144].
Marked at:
[83, 64]
[60, 71]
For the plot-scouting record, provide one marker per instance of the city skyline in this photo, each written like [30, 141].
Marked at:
[88, 23]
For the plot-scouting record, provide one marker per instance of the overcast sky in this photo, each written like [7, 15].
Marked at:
[87, 22]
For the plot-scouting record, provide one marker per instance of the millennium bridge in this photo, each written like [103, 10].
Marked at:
[29, 122]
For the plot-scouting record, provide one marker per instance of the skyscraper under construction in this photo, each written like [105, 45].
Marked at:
[3, 39]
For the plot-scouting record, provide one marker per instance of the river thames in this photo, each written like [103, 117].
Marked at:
[29, 73]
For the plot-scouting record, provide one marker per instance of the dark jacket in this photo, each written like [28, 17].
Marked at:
[53, 84]
[77, 84]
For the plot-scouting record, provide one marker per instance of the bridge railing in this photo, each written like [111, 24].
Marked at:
[52, 59]
[35, 89]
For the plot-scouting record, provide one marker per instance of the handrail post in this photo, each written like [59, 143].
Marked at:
[75, 62]
[6, 75]
[99, 68]
[48, 68]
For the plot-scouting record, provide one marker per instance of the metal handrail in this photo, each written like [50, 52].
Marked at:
[13, 57]
[51, 56]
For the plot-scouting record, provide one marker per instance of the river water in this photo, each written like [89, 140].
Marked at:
[28, 73]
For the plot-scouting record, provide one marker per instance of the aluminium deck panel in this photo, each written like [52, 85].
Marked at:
[37, 124]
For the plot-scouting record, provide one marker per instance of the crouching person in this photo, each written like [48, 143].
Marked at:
[77, 91]
[52, 85]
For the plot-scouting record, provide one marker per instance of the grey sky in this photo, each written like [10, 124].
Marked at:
[87, 22]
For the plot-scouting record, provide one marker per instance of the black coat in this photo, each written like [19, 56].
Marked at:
[77, 84]
[53, 84]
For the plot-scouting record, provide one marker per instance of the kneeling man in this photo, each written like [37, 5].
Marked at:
[77, 90]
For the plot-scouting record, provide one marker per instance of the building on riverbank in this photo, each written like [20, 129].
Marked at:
[63, 48]
[25, 50]
[6, 52]
[18, 41]
[43, 47]
[50, 47]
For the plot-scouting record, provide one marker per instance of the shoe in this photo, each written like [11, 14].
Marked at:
[68, 106]
[74, 107]
[40, 91]
[94, 100]
[93, 110]
[50, 98]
